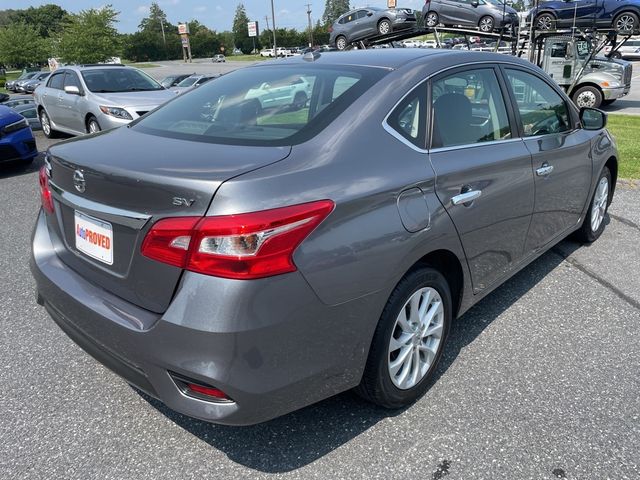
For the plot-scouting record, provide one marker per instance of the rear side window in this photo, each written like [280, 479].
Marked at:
[56, 81]
[409, 117]
[542, 109]
[468, 108]
[267, 106]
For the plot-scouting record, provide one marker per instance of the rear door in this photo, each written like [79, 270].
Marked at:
[561, 156]
[484, 177]
[50, 96]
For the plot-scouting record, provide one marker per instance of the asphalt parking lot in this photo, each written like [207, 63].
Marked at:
[540, 380]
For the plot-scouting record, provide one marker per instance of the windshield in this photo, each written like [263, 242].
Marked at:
[266, 106]
[187, 82]
[495, 2]
[111, 80]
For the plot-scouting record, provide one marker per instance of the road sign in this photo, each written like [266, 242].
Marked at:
[253, 29]
[183, 29]
[391, 3]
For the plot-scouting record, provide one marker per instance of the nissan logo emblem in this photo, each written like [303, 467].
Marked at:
[78, 181]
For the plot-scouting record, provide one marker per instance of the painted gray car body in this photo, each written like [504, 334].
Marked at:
[280, 343]
[463, 12]
[363, 22]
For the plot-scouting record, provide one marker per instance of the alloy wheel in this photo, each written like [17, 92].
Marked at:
[625, 23]
[486, 24]
[416, 338]
[384, 27]
[599, 205]
[545, 22]
[432, 19]
[46, 126]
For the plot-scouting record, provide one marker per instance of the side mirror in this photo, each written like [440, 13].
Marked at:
[72, 89]
[369, 14]
[592, 118]
[475, 3]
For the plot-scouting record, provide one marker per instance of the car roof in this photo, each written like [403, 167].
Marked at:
[394, 58]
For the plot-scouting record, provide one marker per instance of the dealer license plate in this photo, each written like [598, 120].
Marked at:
[94, 237]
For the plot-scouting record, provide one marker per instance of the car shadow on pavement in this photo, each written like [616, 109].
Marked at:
[301, 437]
[17, 168]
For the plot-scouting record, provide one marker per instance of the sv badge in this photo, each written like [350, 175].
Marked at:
[182, 202]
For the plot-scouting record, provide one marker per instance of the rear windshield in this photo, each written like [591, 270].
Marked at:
[263, 106]
[111, 80]
[187, 82]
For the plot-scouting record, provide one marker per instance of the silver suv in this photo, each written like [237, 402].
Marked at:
[89, 98]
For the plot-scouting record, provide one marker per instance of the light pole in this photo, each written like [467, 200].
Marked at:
[273, 22]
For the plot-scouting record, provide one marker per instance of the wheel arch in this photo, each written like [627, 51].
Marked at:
[86, 120]
[448, 264]
[612, 165]
[586, 84]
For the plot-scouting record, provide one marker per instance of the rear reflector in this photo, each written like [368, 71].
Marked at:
[45, 192]
[201, 391]
[243, 246]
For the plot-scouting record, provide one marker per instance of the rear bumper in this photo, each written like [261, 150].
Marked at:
[271, 346]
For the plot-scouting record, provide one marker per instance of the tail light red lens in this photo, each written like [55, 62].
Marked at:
[45, 191]
[207, 391]
[243, 246]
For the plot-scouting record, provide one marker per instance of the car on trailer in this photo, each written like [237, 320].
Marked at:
[619, 15]
[486, 15]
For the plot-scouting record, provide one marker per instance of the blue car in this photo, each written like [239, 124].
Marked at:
[16, 137]
[619, 15]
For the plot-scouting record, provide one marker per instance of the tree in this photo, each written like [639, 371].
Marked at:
[156, 21]
[333, 9]
[90, 36]
[240, 29]
[46, 19]
[204, 42]
[21, 45]
[320, 34]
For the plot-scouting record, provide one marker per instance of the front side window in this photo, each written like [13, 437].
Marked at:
[111, 80]
[56, 80]
[72, 80]
[262, 105]
[468, 108]
[542, 109]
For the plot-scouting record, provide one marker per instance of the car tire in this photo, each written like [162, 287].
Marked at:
[45, 121]
[626, 22]
[92, 125]
[401, 343]
[384, 27]
[593, 224]
[431, 20]
[545, 21]
[616, 55]
[587, 96]
[341, 42]
[486, 24]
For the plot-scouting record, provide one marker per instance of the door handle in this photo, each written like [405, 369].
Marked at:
[544, 170]
[466, 197]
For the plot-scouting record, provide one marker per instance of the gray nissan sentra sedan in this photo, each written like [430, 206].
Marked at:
[239, 261]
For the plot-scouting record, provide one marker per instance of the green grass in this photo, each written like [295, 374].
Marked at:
[626, 130]
[10, 76]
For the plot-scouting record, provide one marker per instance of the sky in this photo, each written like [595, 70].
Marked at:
[215, 14]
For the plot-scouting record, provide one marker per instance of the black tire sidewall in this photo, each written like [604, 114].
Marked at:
[380, 24]
[94, 120]
[586, 234]
[577, 93]
[386, 393]
[631, 14]
[51, 134]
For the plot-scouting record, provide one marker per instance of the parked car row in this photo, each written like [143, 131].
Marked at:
[27, 82]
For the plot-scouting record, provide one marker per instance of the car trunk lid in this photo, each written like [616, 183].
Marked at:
[111, 188]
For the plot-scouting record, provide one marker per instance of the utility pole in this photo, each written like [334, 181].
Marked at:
[164, 40]
[310, 25]
[273, 21]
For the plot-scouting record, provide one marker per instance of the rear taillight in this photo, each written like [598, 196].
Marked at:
[243, 246]
[45, 191]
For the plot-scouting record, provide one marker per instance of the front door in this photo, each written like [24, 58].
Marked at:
[484, 176]
[561, 156]
[70, 111]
